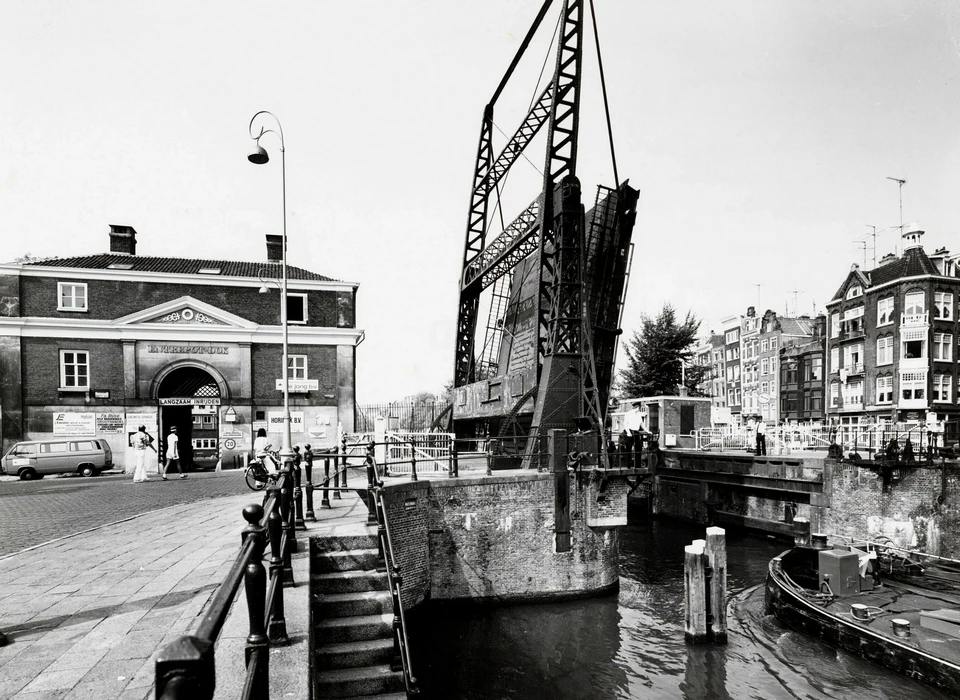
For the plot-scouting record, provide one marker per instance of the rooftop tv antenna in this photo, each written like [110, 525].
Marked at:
[901, 183]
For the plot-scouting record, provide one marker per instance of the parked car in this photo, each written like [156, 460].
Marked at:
[35, 459]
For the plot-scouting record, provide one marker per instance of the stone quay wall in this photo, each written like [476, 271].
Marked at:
[492, 538]
[915, 506]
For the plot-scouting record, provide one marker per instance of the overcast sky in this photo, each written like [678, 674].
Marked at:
[760, 134]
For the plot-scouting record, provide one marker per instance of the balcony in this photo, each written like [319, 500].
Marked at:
[853, 369]
[921, 319]
[852, 333]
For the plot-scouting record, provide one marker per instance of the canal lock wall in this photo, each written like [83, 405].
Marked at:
[493, 539]
[914, 506]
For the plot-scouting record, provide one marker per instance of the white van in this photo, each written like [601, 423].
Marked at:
[36, 458]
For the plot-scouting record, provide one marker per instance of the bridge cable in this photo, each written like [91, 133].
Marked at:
[603, 87]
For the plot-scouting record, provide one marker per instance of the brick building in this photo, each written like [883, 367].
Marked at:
[731, 349]
[801, 361]
[98, 344]
[891, 339]
[777, 332]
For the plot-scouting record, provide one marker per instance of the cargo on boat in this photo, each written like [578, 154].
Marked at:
[887, 605]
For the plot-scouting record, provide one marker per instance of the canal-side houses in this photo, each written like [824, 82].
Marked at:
[892, 339]
[96, 345]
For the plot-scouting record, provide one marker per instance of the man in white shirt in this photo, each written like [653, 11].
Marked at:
[173, 453]
[761, 437]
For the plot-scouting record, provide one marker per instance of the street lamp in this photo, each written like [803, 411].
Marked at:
[259, 156]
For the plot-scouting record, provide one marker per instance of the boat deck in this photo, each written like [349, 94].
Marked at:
[899, 600]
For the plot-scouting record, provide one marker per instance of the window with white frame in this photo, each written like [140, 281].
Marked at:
[942, 388]
[834, 359]
[913, 304]
[852, 320]
[764, 345]
[885, 350]
[297, 366]
[913, 386]
[765, 366]
[853, 393]
[854, 292]
[773, 365]
[943, 346]
[885, 311]
[71, 296]
[834, 394]
[834, 325]
[885, 389]
[943, 305]
[853, 357]
[730, 373]
[74, 370]
[913, 344]
[773, 344]
[732, 336]
[296, 307]
[764, 387]
[736, 372]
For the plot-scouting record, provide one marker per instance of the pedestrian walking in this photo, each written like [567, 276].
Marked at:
[140, 442]
[173, 454]
[761, 437]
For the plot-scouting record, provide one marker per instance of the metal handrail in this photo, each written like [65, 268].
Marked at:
[394, 580]
[185, 668]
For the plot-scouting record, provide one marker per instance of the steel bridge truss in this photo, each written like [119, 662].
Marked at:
[573, 357]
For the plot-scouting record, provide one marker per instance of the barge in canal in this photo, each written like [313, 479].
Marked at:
[887, 605]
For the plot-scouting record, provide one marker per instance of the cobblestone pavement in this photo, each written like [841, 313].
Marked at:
[34, 512]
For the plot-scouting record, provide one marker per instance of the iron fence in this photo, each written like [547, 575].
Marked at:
[400, 416]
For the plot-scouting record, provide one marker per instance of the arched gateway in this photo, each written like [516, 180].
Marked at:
[189, 397]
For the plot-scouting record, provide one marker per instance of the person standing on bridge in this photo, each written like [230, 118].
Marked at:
[140, 442]
[761, 437]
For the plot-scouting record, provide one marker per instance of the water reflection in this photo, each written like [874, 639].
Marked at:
[631, 645]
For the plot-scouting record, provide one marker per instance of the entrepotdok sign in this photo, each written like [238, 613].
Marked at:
[189, 349]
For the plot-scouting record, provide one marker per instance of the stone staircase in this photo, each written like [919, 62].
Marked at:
[353, 620]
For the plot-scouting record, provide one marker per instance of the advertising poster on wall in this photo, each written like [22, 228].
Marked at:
[74, 424]
[275, 420]
[110, 423]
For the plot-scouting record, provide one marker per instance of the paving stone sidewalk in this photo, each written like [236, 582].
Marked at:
[86, 615]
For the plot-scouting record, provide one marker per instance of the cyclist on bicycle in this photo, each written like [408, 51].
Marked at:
[261, 448]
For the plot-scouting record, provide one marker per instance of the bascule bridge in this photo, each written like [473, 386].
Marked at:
[540, 301]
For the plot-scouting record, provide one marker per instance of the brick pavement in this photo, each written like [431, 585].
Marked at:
[86, 615]
[33, 512]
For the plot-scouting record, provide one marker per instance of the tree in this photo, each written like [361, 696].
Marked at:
[655, 354]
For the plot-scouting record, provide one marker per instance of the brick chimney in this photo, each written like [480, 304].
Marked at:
[274, 248]
[123, 239]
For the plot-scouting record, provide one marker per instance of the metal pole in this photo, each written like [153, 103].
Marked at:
[286, 450]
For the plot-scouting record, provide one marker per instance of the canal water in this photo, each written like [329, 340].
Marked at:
[631, 645]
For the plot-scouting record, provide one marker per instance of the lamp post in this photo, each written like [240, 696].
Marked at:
[259, 156]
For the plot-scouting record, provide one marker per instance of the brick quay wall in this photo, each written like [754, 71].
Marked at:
[916, 506]
[492, 538]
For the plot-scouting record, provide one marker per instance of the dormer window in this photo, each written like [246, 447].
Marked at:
[854, 292]
[71, 296]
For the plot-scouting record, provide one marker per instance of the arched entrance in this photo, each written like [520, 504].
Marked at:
[189, 399]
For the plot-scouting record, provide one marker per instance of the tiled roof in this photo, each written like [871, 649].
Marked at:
[913, 262]
[796, 326]
[181, 266]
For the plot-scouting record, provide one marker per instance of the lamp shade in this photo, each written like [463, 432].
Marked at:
[258, 156]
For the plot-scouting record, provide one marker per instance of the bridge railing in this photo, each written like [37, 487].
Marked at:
[185, 668]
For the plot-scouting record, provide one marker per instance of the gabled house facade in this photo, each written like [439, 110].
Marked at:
[892, 339]
[97, 345]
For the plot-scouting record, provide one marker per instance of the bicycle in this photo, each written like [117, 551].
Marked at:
[257, 476]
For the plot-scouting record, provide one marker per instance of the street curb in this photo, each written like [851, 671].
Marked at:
[98, 527]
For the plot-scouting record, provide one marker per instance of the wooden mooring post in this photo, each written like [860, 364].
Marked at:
[705, 588]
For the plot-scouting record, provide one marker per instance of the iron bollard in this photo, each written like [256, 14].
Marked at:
[277, 628]
[454, 461]
[343, 468]
[371, 482]
[298, 522]
[286, 510]
[413, 465]
[255, 586]
[326, 483]
[308, 467]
